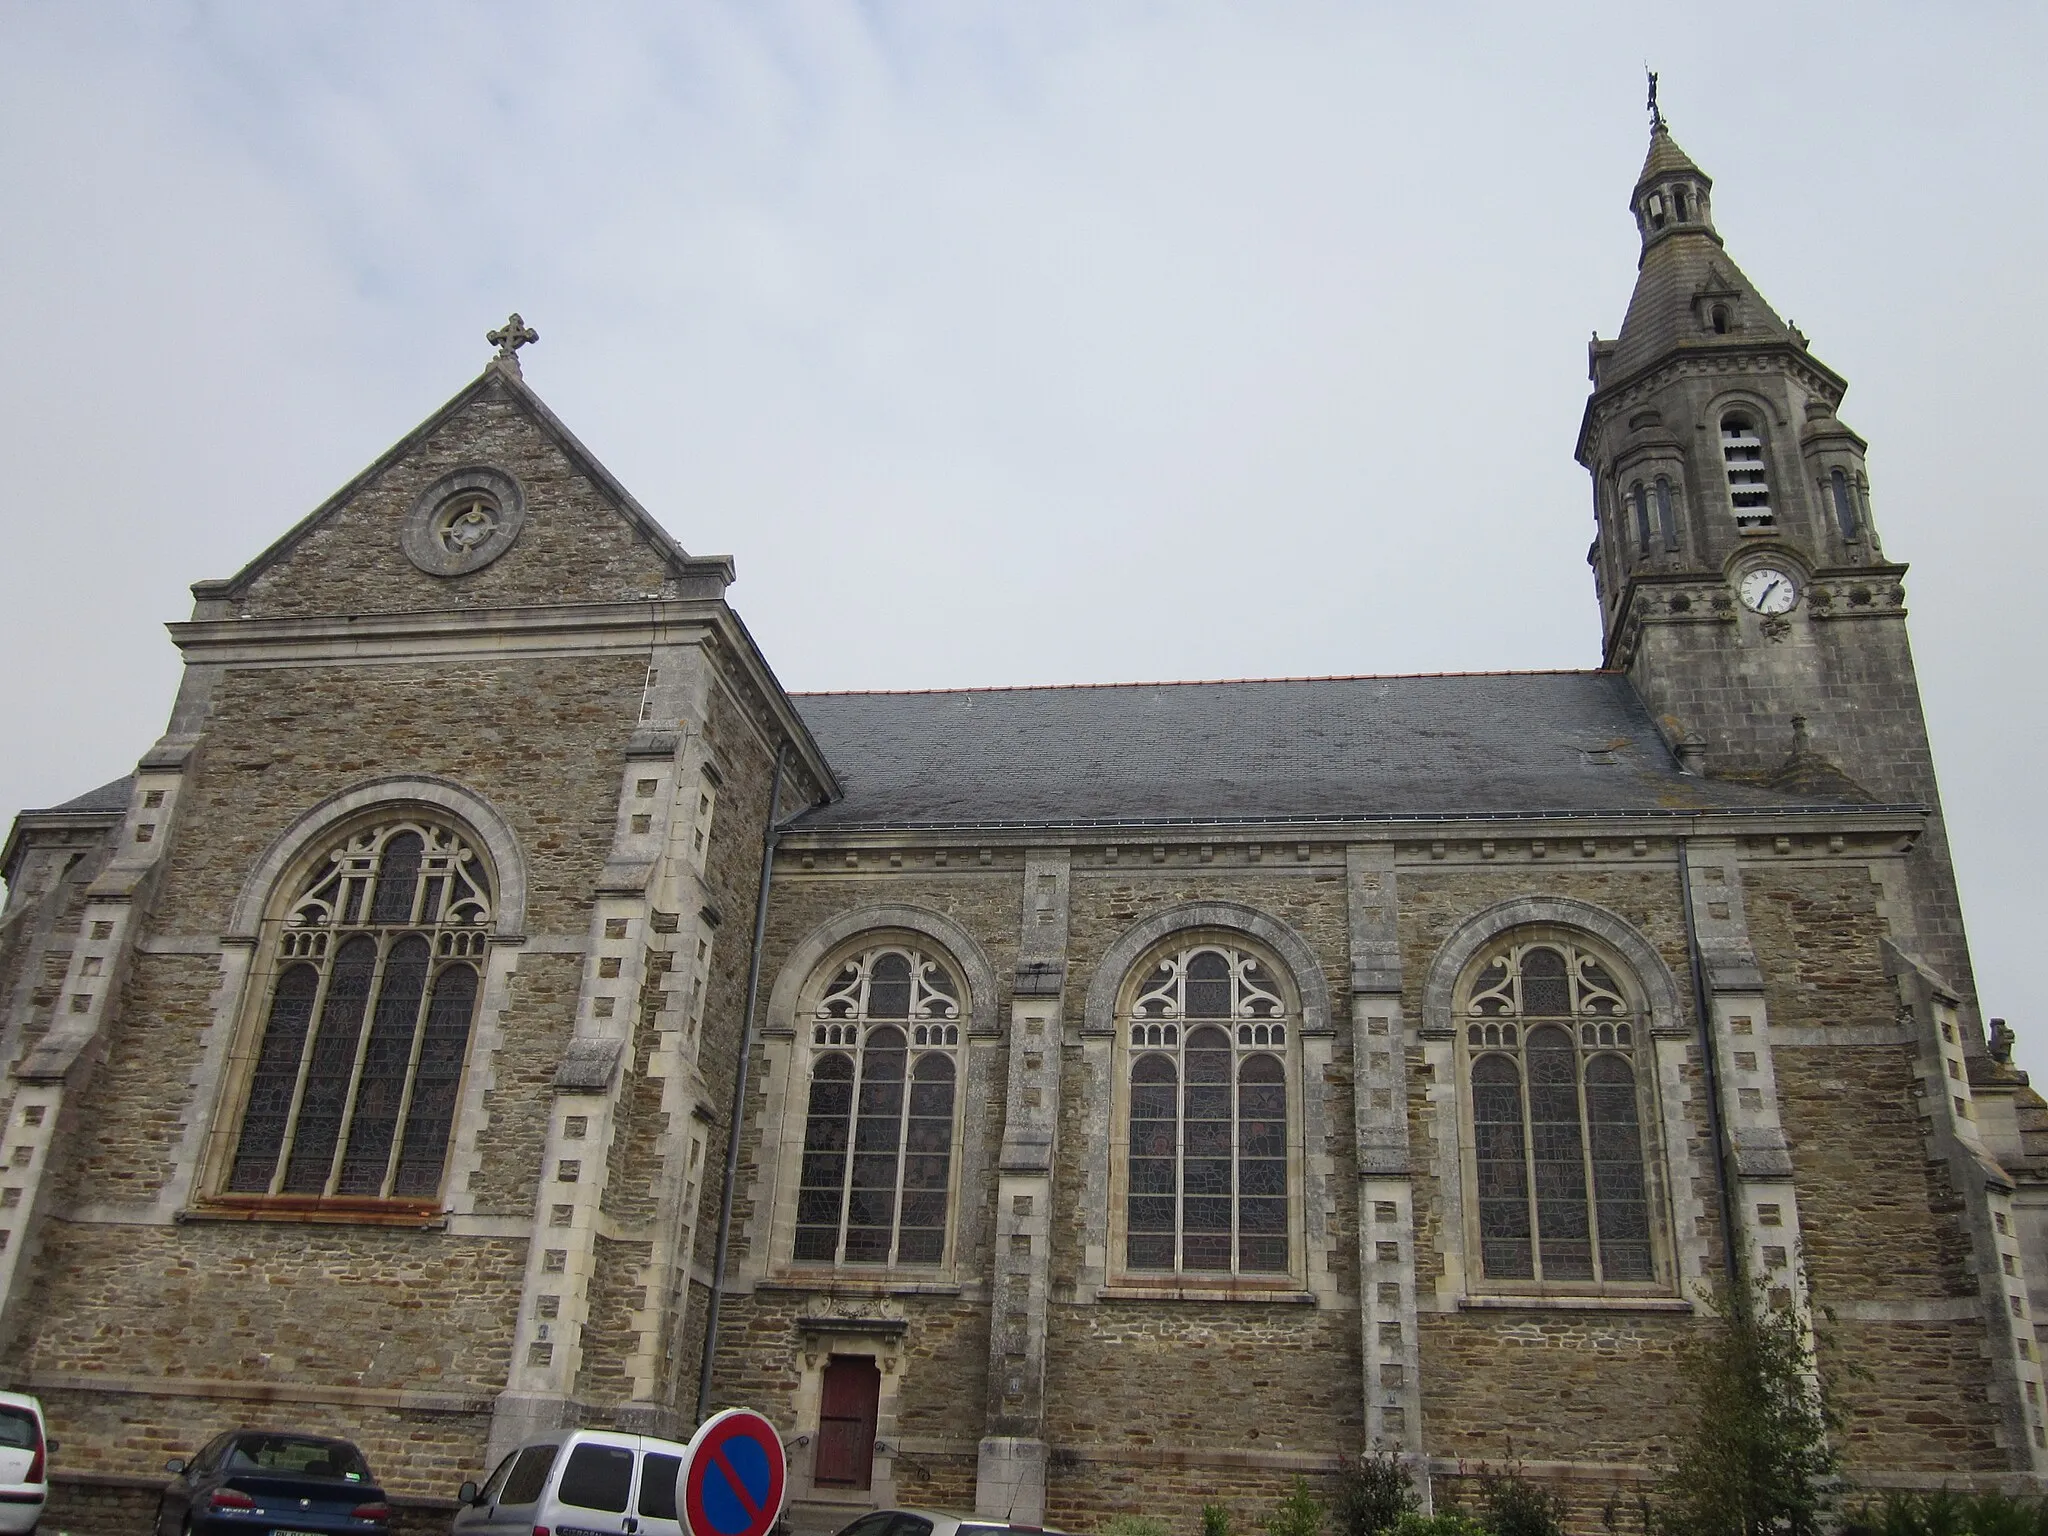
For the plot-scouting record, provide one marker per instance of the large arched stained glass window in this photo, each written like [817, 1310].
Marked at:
[1551, 1043]
[357, 1070]
[1206, 1166]
[878, 1127]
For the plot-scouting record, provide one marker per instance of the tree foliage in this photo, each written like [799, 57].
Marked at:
[1373, 1493]
[1517, 1507]
[1758, 1461]
[1300, 1513]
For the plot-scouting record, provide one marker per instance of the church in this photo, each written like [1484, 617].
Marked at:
[495, 1004]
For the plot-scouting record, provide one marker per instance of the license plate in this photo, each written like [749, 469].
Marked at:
[281, 1531]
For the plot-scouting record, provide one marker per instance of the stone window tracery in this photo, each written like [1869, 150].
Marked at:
[366, 1030]
[1554, 1052]
[1207, 1180]
[875, 1181]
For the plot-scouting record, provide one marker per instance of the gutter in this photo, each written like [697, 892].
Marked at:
[1361, 819]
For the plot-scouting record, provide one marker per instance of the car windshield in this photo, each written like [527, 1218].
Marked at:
[297, 1456]
[17, 1429]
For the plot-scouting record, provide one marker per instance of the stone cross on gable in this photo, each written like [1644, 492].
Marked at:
[510, 337]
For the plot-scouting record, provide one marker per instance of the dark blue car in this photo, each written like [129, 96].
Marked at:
[255, 1482]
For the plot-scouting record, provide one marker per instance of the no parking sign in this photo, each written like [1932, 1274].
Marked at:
[733, 1477]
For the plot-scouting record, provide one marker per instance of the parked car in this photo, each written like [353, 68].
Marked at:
[585, 1482]
[24, 1464]
[933, 1522]
[248, 1481]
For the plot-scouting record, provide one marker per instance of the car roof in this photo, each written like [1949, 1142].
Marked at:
[21, 1400]
[990, 1520]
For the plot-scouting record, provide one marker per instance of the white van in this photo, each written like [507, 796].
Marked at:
[584, 1482]
[24, 1463]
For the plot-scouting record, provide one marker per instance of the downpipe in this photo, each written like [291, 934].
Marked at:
[770, 835]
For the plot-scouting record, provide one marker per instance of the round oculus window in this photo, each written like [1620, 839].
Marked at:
[463, 521]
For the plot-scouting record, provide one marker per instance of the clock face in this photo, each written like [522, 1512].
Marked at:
[1768, 591]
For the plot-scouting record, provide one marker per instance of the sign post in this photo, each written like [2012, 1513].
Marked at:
[734, 1476]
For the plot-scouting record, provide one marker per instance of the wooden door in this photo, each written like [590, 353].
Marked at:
[846, 1423]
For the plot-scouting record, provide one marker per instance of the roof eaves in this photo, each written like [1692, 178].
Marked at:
[1885, 814]
[1198, 682]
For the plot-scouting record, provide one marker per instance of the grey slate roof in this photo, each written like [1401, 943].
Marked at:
[1676, 268]
[1665, 157]
[1476, 744]
[108, 797]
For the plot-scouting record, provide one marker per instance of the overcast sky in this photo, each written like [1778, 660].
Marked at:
[1013, 343]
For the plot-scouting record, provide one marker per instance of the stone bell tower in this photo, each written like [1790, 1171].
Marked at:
[1741, 582]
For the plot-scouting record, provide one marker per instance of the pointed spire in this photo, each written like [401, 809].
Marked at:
[1688, 292]
[1667, 159]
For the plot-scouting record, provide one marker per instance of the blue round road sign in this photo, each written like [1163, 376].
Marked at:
[733, 1477]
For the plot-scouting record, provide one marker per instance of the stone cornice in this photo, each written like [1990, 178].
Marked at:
[1702, 358]
[1692, 597]
[536, 630]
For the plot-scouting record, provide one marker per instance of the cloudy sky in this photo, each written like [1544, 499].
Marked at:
[1008, 343]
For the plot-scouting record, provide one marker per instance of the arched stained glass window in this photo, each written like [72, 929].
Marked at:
[875, 1179]
[1562, 1189]
[1206, 1165]
[354, 1086]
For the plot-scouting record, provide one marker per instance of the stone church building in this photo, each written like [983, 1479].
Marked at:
[1150, 1093]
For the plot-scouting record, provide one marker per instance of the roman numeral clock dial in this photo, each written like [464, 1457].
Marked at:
[1767, 591]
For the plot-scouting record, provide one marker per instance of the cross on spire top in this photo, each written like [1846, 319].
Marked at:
[510, 337]
[1656, 113]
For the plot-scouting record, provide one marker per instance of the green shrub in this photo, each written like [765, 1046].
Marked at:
[1215, 1520]
[1415, 1523]
[1517, 1507]
[1298, 1514]
[1134, 1525]
[1372, 1495]
[1946, 1513]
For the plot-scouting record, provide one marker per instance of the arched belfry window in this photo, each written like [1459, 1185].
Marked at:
[379, 956]
[885, 1043]
[1555, 1057]
[1207, 1035]
[1749, 481]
